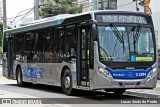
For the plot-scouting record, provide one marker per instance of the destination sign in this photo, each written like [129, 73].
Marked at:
[121, 19]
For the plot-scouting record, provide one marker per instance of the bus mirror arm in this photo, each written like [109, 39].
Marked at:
[93, 21]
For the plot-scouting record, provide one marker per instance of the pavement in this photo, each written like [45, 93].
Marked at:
[145, 93]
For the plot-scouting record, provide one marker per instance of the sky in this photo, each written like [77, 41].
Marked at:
[154, 5]
[16, 6]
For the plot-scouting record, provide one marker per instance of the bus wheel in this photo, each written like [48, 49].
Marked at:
[119, 91]
[67, 82]
[19, 77]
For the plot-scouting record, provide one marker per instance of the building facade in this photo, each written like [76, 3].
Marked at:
[104, 4]
[129, 5]
[1, 10]
[87, 4]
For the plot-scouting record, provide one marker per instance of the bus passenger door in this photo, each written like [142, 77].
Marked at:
[83, 41]
[10, 57]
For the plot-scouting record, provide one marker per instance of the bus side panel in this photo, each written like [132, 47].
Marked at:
[49, 74]
[30, 72]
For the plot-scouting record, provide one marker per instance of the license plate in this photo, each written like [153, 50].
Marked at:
[129, 85]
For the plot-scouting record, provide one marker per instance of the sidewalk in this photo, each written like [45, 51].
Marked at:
[145, 93]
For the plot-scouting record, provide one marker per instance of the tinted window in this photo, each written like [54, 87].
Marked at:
[39, 45]
[29, 45]
[19, 39]
[5, 44]
[70, 42]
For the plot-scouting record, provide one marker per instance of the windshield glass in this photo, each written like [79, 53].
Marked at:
[127, 44]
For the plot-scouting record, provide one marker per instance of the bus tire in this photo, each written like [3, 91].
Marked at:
[119, 91]
[19, 77]
[67, 82]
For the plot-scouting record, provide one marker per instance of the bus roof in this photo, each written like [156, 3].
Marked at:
[57, 20]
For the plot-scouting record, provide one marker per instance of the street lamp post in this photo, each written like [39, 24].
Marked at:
[4, 15]
[137, 9]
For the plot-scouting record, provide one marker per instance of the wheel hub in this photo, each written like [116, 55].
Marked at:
[67, 82]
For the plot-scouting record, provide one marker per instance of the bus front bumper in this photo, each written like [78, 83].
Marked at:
[111, 83]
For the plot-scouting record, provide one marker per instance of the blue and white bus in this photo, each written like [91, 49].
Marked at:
[98, 50]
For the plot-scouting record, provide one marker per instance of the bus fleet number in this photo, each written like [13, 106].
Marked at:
[141, 74]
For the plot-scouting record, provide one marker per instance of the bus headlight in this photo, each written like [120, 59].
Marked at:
[152, 72]
[103, 71]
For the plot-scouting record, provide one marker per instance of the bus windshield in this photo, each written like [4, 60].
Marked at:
[125, 43]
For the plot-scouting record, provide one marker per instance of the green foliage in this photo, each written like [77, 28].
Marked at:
[1, 26]
[1, 35]
[141, 2]
[23, 25]
[8, 27]
[0, 50]
[60, 7]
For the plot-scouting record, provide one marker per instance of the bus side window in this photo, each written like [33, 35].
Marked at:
[19, 46]
[39, 45]
[70, 42]
[47, 44]
[54, 40]
[29, 45]
[59, 43]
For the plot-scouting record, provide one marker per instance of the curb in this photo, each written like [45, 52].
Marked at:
[143, 93]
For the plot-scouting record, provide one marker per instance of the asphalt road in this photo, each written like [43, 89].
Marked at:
[86, 98]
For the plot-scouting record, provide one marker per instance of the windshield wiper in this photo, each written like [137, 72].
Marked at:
[116, 32]
[137, 34]
[119, 36]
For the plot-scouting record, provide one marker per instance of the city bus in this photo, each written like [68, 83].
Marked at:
[99, 50]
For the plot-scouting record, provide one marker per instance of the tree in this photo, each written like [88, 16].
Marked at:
[141, 2]
[9, 27]
[60, 7]
[22, 25]
[1, 36]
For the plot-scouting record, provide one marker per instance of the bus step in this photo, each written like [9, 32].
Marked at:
[83, 87]
[84, 83]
